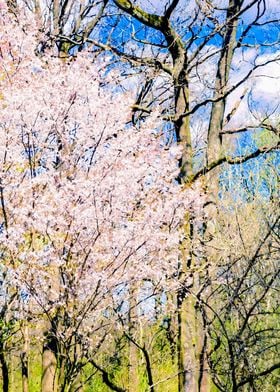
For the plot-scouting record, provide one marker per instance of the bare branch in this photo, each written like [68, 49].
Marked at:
[257, 375]
[106, 377]
[171, 8]
[232, 161]
[150, 20]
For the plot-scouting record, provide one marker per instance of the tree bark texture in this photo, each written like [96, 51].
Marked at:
[4, 369]
[49, 365]
[24, 358]
[133, 376]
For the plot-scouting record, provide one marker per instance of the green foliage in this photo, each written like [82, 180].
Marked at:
[265, 137]
[6, 330]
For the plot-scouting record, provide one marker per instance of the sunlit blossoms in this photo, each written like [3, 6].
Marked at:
[90, 205]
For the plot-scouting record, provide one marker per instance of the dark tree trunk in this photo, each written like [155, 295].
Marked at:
[5, 370]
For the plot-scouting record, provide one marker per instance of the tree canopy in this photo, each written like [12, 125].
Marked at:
[139, 187]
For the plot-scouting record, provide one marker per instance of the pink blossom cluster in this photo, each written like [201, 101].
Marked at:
[89, 203]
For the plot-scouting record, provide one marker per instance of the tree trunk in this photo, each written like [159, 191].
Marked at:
[192, 368]
[215, 142]
[182, 123]
[193, 376]
[5, 370]
[183, 343]
[133, 376]
[49, 365]
[216, 124]
[24, 359]
[133, 368]
[191, 334]
[214, 145]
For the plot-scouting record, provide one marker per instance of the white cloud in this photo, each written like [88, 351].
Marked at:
[263, 87]
[266, 80]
